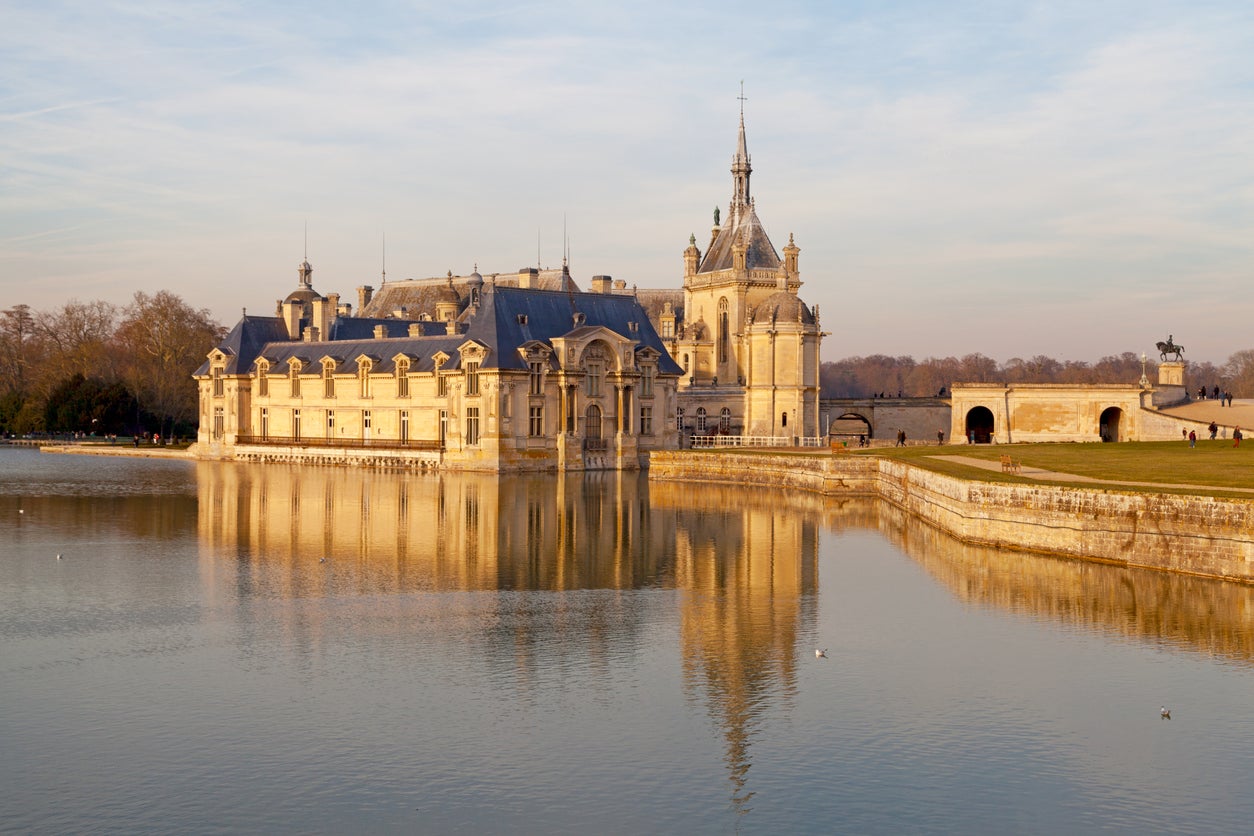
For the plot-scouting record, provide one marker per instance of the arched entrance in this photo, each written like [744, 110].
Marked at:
[592, 428]
[979, 426]
[1111, 424]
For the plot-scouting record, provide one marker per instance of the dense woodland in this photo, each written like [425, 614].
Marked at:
[878, 374]
[92, 368]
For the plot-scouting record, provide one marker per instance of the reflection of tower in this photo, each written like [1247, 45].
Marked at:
[749, 566]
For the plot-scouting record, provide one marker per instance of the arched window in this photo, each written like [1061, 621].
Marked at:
[592, 428]
[701, 420]
[722, 330]
[263, 379]
[294, 376]
[724, 421]
[364, 368]
[679, 418]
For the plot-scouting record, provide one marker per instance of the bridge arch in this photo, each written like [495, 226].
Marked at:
[851, 425]
[979, 425]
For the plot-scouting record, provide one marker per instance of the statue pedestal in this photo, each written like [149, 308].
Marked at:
[1171, 373]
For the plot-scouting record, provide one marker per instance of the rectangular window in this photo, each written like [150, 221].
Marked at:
[593, 380]
[295, 383]
[537, 378]
[219, 422]
[472, 425]
[328, 383]
[366, 423]
[443, 427]
[441, 385]
[646, 420]
[265, 422]
[217, 383]
[263, 385]
[536, 424]
[646, 382]
[404, 425]
[402, 381]
[330, 423]
[679, 419]
[668, 329]
[364, 374]
[472, 378]
[296, 424]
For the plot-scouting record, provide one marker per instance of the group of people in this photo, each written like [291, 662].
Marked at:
[1191, 435]
[1224, 398]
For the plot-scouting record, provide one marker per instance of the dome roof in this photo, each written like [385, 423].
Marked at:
[303, 294]
[782, 307]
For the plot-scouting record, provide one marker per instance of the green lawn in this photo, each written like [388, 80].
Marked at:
[1214, 463]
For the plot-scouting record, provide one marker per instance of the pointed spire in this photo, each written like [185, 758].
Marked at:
[741, 167]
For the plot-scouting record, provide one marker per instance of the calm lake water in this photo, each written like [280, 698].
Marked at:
[226, 648]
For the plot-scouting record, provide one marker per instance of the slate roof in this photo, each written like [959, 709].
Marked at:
[742, 224]
[419, 296]
[498, 323]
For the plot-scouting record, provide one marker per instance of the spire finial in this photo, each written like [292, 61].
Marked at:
[385, 258]
[742, 100]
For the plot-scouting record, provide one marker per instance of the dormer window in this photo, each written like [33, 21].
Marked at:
[579, 319]
[522, 319]
[328, 380]
[218, 388]
[263, 379]
[363, 376]
[402, 378]
[472, 378]
[294, 376]
[646, 381]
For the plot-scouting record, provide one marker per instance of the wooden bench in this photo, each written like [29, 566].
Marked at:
[1009, 465]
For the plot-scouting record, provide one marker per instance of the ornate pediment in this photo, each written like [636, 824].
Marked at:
[473, 351]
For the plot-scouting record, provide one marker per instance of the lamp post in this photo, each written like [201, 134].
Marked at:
[1144, 378]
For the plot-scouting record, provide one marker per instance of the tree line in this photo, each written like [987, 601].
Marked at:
[92, 367]
[879, 374]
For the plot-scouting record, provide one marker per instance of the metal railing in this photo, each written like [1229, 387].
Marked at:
[713, 441]
[352, 443]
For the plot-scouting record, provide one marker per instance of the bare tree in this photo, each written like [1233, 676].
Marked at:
[162, 341]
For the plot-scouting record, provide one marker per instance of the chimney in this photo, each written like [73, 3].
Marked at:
[620, 285]
[364, 294]
[450, 327]
[528, 277]
[601, 284]
[380, 332]
[415, 330]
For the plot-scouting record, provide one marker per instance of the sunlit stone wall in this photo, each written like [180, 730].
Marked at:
[1202, 535]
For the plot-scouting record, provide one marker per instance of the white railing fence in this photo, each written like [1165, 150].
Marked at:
[712, 441]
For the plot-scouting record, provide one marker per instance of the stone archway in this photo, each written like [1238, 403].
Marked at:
[980, 425]
[1110, 425]
[851, 425]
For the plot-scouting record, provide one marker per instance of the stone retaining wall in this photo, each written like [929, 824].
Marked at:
[1195, 534]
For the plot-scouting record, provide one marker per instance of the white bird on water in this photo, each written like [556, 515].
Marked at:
[1165, 713]
[820, 653]
[58, 557]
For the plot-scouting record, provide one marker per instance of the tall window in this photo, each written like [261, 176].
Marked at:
[472, 378]
[402, 378]
[668, 329]
[724, 420]
[679, 418]
[366, 423]
[263, 380]
[330, 423]
[472, 425]
[646, 420]
[265, 422]
[722, 330]
[363, 374]
[328, 381]
[646, 381]
[441, 385]
[595, 377]
[219, 422]
[217, 382]
[701, 419]
[294, 376]
[536, 423]
[404, 425]
[537, 377]
[296, 424]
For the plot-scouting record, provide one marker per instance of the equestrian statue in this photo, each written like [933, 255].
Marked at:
[1170, 347]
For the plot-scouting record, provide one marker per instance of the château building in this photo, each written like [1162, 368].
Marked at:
[523, 370]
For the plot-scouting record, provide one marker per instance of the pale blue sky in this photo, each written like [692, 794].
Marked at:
[1065, 178]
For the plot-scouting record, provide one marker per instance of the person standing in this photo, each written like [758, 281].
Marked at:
[1214, 428]
[940, 437]
[1192, 438]
[1236, 437]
